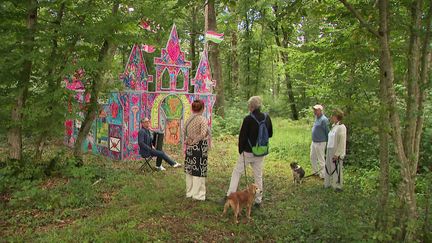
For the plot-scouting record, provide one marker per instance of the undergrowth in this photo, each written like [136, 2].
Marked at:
[112, 201]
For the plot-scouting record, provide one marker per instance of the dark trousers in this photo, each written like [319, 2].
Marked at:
[161, 154]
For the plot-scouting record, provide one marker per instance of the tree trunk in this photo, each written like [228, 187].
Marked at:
[260, 49]
[210, 24]
[278, 76]
[291, 99]
[273, 81]
[414, 119]
[424, 80]
[193, 35]
[15, 131]
[405, 147]
[288, 80]
[384, 188]
[284, 55]
[413, 64]
[290, 93]
[427, 222]
[247, 87]
[51, 77]
[106, 55]
[407, 197]
[234, 61]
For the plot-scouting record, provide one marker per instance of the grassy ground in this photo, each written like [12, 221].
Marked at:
[109, 201]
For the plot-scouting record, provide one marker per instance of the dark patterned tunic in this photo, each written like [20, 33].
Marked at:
[196, 159]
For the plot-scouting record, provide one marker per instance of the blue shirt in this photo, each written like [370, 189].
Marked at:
[320, 129]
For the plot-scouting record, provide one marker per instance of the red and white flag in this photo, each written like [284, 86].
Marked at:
[148, 48]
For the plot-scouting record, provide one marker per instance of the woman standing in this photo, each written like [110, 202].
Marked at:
[336, 148]
[196, 134]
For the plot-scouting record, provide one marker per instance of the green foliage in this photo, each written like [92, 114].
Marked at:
[330, 60]
[425, 160]
[288, 132]
[30, 187]
[230, 125]
[276, 107]
[128, 206]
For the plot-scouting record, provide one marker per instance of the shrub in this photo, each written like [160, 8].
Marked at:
[230, 125]
[425, 160]
[30, 186]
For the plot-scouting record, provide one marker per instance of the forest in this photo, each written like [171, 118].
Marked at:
[371, 59]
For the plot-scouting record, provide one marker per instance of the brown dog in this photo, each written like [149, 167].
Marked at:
[238, 200]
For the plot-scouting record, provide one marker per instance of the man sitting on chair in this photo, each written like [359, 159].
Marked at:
[147, 149]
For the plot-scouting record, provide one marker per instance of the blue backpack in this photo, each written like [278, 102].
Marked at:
[261, 146]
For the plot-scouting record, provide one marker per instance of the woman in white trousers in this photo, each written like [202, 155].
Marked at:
[336, 149]
[196, 134]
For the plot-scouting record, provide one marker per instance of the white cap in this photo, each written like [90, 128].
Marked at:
[318, 107]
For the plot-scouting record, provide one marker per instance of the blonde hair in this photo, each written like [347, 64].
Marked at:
[254, 102]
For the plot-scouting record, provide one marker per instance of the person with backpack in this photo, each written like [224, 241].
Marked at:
[253, 141]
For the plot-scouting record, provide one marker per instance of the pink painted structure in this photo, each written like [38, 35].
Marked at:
[115, 132]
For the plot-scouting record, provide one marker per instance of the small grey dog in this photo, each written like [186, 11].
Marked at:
[298, 172]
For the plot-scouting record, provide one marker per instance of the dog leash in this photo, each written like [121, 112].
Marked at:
[316, 173]
[337, 169]
[244, 163]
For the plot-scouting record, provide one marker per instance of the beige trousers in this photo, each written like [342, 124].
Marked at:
[195, 187]
[317, 157]
[256, 164]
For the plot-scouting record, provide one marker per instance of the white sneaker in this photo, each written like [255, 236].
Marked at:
[160, 168]
[176, 165]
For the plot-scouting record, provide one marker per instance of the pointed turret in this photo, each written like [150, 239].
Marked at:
[135, 75]
[203, 83]
[172, 63]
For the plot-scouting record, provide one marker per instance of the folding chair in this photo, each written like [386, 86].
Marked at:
[146, 163]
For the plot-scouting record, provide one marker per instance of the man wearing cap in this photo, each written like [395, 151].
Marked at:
[146, 147]
[320, 132]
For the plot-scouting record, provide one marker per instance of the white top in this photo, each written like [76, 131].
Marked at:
[337, 139]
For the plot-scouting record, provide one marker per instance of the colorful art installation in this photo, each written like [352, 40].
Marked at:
[115, 131]
[172, 62]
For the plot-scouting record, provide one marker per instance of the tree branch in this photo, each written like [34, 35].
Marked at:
[360, 18]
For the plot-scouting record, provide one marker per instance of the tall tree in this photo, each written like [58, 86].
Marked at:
[105, 57]
[404, 139]
[53, 71]
[210, 24]
[234, 60]
[282, 34]
[15, 130]
[193, 37]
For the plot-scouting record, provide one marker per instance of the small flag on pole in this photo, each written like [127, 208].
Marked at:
[145, 25]
[149, 25]
[148, 48]
[213, 36]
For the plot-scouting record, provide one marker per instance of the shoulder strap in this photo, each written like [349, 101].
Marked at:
[259, 122]
[253, 116]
